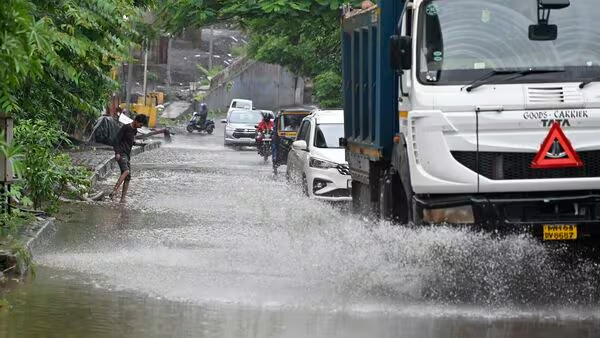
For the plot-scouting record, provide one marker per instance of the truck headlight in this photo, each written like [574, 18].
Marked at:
[321, 164]
[453, 215]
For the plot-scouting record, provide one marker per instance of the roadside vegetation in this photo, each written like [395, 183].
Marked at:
[302, 36]
[56, 59]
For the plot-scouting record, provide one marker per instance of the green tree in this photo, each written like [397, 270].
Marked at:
[303, 36]
[56, 56]
[328, 89]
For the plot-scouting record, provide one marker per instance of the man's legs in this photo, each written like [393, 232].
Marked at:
[125, 187]
[124, 178]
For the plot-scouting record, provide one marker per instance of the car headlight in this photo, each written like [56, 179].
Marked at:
[322, 164]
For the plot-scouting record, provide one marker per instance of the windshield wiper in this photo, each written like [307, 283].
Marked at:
[588, 81]
[517, 72]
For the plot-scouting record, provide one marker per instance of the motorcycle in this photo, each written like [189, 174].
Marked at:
[263, 143]
[208, 126]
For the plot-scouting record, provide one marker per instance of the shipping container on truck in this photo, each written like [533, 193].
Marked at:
[476, 112]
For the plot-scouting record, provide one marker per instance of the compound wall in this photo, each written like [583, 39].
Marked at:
[268, 86]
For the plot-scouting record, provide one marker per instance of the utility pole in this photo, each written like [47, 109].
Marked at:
[129, 78]
[210, 47]
[145, 69]
[169, 45]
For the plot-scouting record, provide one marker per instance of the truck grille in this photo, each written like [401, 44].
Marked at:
[344, 169]
[516, 166]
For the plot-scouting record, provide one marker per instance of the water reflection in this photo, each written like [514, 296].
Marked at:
[56, 305]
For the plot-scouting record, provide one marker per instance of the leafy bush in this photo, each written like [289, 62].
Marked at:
[328, 90]
[46, 172]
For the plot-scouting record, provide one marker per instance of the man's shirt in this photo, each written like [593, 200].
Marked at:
[124, 140]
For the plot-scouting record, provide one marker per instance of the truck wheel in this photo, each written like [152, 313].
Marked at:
[361, 199]
[393, 203]
[356, 196]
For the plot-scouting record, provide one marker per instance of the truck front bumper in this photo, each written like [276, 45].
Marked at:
[519, 213]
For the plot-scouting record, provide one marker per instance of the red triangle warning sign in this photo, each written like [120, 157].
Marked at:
[556, 151]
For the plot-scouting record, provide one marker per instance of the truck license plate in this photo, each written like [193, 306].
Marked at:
[560, 232]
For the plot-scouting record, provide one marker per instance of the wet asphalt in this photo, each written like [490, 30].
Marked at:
[211, 244]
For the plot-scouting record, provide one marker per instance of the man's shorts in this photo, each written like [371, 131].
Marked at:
[124, 163]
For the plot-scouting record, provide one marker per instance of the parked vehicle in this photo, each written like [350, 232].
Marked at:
[240, 127]
[196, 123]
[317, 160]
[447, 118]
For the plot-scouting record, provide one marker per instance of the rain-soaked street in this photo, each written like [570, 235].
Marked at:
[211, 245]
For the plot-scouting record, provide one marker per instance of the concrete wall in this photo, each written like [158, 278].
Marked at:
[268, 86]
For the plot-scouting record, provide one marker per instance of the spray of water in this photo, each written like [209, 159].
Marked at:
[238, 235]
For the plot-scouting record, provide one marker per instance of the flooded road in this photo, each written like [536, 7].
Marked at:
[210, 244]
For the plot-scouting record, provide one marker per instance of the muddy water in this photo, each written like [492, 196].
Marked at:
[211, 245]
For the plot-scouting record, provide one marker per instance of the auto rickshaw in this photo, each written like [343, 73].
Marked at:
[287, 122]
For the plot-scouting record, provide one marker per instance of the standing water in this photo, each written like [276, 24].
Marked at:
[211, 245]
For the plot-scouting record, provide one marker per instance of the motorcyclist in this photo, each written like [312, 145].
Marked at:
[265, 124]
[203, 114]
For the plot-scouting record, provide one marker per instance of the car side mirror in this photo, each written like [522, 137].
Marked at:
[223, 120]
[300, 145]
[400, 52]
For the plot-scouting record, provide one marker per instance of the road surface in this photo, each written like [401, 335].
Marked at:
[211, 245]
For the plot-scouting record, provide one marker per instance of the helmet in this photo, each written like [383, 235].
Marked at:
[266, 116]
[202, 105]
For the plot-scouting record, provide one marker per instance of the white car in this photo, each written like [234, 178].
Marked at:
[239, 104]
[317, 160]
[240, 127]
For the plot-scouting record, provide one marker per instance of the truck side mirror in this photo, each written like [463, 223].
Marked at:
[400, 52]
[343, 142]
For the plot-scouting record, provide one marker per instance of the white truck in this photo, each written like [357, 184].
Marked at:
[482, 112]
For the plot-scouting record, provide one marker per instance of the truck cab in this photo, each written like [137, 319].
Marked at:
[495, 113]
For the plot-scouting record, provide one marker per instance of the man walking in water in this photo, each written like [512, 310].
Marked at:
[124, 141]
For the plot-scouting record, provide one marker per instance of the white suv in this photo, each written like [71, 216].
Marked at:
[317, 160]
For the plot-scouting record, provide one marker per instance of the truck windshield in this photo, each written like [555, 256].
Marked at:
[461, 40]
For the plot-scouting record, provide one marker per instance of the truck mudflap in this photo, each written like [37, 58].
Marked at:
[549, 217]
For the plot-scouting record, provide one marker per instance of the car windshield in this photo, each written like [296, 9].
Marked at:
[328, 135]
[245, 116]
[461, 40]
[291, 122]
[241, 104]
